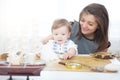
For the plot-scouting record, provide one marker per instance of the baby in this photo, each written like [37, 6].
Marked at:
[61, 44]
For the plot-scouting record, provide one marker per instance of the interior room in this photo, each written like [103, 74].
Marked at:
[24, 23]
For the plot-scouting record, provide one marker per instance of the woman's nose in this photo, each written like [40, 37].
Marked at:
[84, 24]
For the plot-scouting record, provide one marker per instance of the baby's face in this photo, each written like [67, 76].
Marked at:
[61, 34]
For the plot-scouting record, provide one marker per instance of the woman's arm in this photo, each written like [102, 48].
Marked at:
[105, 50]
[45, 40]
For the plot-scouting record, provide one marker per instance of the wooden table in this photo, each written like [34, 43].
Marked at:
[86, 61]
[56, 71]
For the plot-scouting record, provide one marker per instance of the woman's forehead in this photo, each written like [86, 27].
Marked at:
[88, 17]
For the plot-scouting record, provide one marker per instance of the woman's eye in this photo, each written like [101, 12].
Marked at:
[56, 34]
[82, 20]
[91, 24]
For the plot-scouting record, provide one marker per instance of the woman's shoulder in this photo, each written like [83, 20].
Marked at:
[74, 28]
[74, 23]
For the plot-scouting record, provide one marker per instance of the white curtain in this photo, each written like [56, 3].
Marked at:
[24, 22]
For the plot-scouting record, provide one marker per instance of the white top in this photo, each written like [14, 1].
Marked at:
[51, 50]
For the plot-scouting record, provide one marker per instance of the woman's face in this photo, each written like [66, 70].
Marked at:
[88, 24]
[61, 34]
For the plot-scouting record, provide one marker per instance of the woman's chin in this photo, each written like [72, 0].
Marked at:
[85, 32]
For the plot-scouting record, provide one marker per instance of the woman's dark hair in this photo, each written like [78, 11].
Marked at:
[102, 18]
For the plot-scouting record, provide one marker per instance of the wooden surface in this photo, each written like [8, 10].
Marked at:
[85, 61]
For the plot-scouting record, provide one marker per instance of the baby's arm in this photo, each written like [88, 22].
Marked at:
[47, 53]
[70, 53]
[72, 50]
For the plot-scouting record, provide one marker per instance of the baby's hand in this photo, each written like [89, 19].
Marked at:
[68, 55]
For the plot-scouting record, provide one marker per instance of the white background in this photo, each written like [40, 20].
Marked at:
[23, 20]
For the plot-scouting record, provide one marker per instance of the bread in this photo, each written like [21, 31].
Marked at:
[112, 67]
[103, 55]
[16, 59]
[37, 57]
[3, 56]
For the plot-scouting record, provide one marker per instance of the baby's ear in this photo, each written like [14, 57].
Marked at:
[69, 34]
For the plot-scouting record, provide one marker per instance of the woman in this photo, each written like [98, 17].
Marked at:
[91, 32]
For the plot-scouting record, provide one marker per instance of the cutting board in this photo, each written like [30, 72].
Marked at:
[85, 61]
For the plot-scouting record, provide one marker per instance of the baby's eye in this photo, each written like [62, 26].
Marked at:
[63, 34]
[56, 34]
